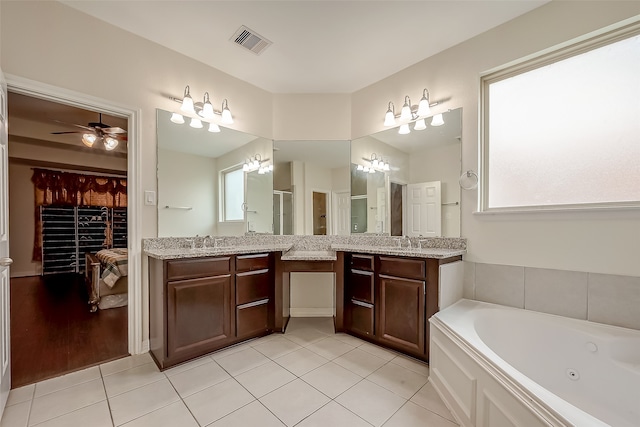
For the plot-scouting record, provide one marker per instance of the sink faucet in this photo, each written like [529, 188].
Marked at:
[205, 240]
[408, 242]
[420, 243]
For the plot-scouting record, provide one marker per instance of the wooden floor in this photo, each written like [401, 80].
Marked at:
[53, 332]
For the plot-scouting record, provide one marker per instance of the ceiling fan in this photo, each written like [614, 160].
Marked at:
[97, 131]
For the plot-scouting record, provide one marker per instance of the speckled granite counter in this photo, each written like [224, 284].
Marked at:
[175, 253]
[438, 253]
[301, 248]
[309, 256]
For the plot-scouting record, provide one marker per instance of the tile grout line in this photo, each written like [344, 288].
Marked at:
[182, 399]
[113, 423]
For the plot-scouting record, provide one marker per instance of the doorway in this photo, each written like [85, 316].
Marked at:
[53, 331]
[397, 208]
[320, 213]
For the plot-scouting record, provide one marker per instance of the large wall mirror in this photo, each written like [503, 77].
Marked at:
[204, 187]
[311, 187]
[407, 184]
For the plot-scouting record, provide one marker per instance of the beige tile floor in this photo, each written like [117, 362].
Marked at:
[308, 377]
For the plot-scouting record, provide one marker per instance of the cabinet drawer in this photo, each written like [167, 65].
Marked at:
[197, 267]
[252, 319]
[360, 286]
[402, 267]
[252, 286]
[252, 262]
[360, 318]
[362, 262]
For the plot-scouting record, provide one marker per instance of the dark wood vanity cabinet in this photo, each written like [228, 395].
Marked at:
[389, 299]
[198, 305]
[359, 305]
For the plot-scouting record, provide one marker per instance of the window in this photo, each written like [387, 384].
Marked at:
[563, 131]
[233, 194]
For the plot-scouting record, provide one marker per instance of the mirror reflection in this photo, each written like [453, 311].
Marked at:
[212, 183]
[407, 184]
[311, 187]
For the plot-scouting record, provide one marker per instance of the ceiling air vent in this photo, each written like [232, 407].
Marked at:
[250, 40]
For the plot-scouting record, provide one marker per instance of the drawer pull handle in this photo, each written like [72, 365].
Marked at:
[253, 304]
[361, 304]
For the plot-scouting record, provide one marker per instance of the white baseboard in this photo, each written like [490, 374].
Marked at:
[311, 312]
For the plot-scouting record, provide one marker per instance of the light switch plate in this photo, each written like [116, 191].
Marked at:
[150, 198]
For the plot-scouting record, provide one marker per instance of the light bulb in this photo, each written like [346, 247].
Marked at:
[187, 102]
[110, 143]
[360, 167]
[420, 125]
[270, 167]
[404, 129]
[177, 118]
[389, 117]
[245, 167]
[256, 164]
[372, 170]
[213, 127]
[423, 107]
[88, 139]
[207, 108]
[375, 163]
[437, 120]
[227, 119]
[405, 114]
[196, 123]
[387, 167]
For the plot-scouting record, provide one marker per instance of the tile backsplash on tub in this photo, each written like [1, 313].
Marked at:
[602, 298]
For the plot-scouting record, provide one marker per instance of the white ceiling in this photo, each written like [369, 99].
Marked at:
[318, 46]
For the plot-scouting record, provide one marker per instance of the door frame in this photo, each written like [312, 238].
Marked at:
[136, 342]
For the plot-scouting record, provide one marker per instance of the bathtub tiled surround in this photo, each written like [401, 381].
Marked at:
[307, 377]
[602, 298]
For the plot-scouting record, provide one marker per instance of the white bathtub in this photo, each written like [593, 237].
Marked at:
[496, 365]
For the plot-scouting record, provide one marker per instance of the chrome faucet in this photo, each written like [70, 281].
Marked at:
[204, 241]
[420, 243]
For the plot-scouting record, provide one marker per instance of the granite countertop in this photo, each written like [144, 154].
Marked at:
[297, 255]
[438, 253]
[176, 253]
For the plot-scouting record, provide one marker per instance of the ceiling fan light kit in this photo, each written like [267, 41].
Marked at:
[199, 112]
[97, 131]
[416, 114]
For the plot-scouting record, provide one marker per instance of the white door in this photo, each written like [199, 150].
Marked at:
[342, 213]
[424, 209]
[5, 261]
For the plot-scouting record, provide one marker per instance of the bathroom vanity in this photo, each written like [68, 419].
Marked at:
[202, 300]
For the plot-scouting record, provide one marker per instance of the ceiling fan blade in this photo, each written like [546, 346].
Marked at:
[74, 125]
[62, 133]
[117, 136]
[114, 130]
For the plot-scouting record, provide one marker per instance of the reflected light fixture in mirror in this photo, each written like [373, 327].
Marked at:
[201, 111]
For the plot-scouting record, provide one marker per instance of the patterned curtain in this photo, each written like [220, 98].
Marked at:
[73, 189]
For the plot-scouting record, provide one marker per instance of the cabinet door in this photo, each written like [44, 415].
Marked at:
[199, 316]
[401, 313]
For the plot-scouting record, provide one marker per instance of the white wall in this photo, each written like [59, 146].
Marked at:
[191, 181]
[341, 179]
[601, 242]
[311, 117]
[312, 294]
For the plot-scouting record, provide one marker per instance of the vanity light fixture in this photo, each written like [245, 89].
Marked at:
[410, 114]
[256, 163]
[200, 111]
[437, 120]
[374, 165]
